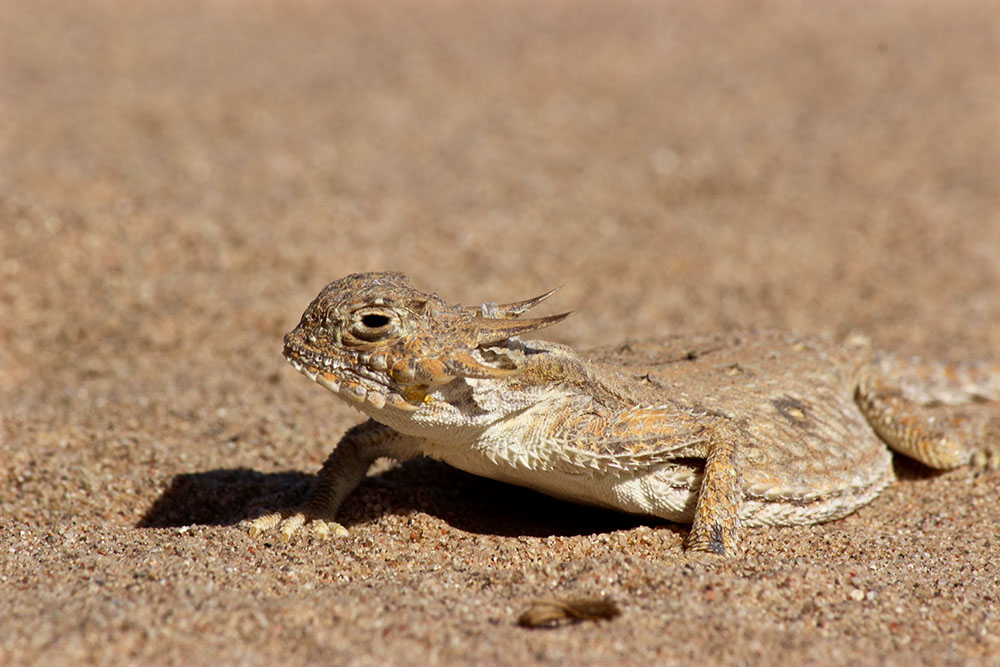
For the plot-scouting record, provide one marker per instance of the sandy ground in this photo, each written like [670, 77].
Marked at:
[180, 179]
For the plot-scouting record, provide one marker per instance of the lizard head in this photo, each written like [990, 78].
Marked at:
[375, 340]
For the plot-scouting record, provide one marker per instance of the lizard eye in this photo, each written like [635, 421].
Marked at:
[373, 324]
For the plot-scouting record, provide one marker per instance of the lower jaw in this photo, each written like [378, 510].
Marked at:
[351, 392]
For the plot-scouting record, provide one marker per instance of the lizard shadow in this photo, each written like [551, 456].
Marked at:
[221, 497]
[469, 503]
[910, 470]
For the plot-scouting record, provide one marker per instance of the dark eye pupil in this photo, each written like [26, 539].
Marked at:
[374, 321]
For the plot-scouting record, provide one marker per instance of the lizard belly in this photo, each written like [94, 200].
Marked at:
[667, 491]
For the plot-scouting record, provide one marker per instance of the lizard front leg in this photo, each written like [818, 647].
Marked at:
[716, 524]
[642, 437]
[342, 472]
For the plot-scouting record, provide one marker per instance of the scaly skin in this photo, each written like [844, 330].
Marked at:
[721, 431]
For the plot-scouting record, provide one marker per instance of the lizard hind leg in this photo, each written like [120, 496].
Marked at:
[942, 416]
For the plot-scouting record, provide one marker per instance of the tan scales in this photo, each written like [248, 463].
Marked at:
[721, 431]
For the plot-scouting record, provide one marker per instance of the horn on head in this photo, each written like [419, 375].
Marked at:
[491, 330]
[506, 311]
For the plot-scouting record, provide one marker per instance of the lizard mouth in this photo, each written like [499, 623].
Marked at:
[351, 381]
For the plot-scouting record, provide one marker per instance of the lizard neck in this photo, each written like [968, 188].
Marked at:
[465, 407]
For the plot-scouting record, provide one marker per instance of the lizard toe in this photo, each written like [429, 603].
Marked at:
[327, 529]
[262, 524]
[290, 521]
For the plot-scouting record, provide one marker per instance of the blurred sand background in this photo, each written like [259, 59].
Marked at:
[179, 179]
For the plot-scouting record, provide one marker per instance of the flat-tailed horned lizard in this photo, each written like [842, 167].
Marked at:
[721, 431]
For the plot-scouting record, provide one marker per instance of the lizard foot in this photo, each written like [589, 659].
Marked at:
[289, 521]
